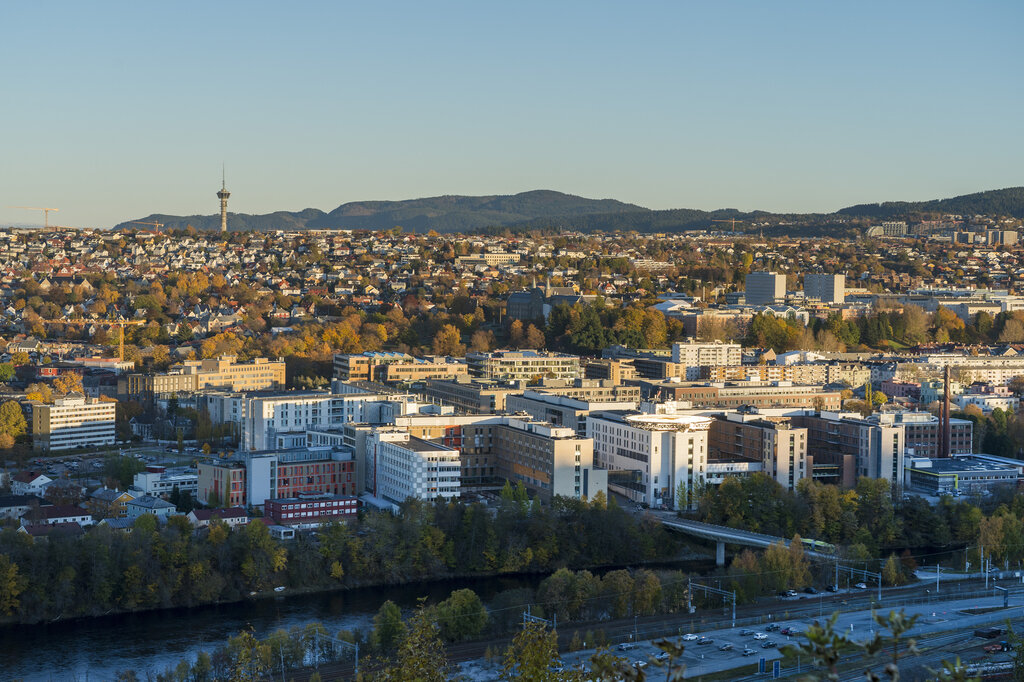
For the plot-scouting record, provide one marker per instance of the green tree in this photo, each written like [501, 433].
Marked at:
[12, 419]
[11, 586]
[388, 628]
[421, 656]
[461, 616]
[6, 371]
[530, 656]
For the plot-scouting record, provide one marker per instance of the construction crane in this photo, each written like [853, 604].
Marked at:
[730, 220]
[142, 222]
[46, 212]
[120, 324]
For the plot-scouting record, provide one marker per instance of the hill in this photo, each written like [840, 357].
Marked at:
[444, 214]
[1004, 202]
[545, 209]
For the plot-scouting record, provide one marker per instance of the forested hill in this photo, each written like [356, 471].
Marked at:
[444, 214]
[1005, 202]
[545, 209]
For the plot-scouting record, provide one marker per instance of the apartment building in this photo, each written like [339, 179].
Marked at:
[526, 365]
[825, 288]
[73, 421]
[400, 466]
[764, 288]
[223, 372]
[665, 453]
[774, 442]
[160, 481]
[696, 354]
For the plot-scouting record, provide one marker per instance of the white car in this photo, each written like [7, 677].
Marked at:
[760, 635]
[690, 637]
[861, 586]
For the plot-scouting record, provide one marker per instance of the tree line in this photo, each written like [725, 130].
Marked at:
[153, 567]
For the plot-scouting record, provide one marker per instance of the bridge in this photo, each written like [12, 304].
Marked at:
[723, 535]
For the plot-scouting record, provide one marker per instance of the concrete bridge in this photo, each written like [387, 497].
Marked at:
[723, 535]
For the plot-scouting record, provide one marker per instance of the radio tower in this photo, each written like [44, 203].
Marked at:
[223, 195]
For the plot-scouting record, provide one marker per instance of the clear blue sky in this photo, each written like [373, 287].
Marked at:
[114, 110]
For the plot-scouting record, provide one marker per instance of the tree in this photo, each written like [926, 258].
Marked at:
[388, 628]
[534, 337]
[12, 419]
[6, 371]
[448, 341]
[11, 586]
[482, 340]
[421, 655]
[68, 382]
[531, 654]
[461, 616]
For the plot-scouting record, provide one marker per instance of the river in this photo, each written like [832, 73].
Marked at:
[151, 641]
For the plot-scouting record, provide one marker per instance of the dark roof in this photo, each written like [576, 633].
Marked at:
[230, 513]
[44, 529]
[7, 501]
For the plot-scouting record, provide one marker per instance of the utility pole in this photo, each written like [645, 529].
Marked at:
[938, 570]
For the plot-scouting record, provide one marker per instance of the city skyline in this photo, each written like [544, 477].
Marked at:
[123, 111]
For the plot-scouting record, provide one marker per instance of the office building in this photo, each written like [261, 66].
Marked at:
[311, 510]
[71, 422]
[765, 288]
[400, 466]
[548, 460]
[161, 482]
[222, 373]
[562, 410]
[774, 442]
[663, 453]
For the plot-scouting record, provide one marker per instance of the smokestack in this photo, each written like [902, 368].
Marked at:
[947, 431]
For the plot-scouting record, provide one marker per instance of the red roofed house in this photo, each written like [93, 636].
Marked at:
[235, 516]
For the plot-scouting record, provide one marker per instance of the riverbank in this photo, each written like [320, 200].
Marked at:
[150, 641]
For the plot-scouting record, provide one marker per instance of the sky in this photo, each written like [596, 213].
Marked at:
[112, 110]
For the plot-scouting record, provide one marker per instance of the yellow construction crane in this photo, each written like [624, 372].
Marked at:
[142, 222]
[46, 212]
[730, 220]
[120, 324]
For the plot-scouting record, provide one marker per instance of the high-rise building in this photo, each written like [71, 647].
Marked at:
[223, 195]
[825, 288]
[74, 421]
[764, 288]
[666, 453]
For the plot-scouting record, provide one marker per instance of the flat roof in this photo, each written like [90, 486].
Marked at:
[956, 465]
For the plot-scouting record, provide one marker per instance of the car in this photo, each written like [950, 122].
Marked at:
[781, 593]
[725, 647]
[746, 633]
[639, 664]
[690, 637]
[790, 593]
[832, 588]
[663, 656]
[747, 651]
[810, 590]
[768, 645]
[786, 631]
[760, 635]
[772, 627]
[861, 586]
[626, 646]
[705, 640]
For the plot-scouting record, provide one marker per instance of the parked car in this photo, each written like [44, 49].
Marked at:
[760, 635]
[772, 627]
[790, 593]
[725, 647]
[746, 633]
[705, 640]
[747, 651]
[690, 637]
[626, 646]
[832, 588]
[810, 590]
[663, 656]
[861, 586]
[768, 645]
